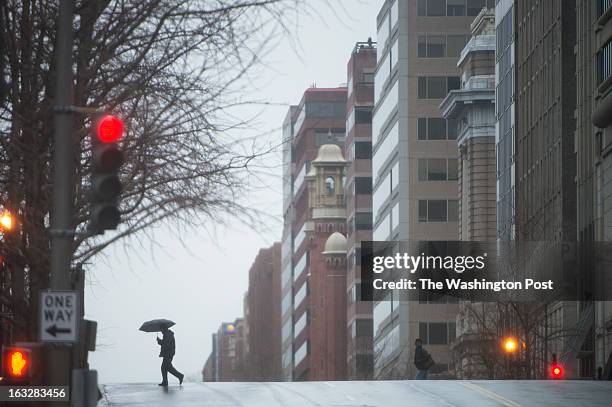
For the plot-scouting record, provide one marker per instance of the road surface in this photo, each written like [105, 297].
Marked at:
[562, 393]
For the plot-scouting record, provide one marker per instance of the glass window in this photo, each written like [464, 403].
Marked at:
[436, 8]
[453, 210]
[455, 44]
[437, 211]
[455, 8]
[438, 333]
[326, 109]
[363, 150]
[452, 331]
[423, 335]
[436, 128]
[436, 87]
[301, 353]
[422, 128]
[422, 8]
[363, 185]
[330, 185]
[436, 46]
[436, 169]
[453, 169]
[454, 82]
[363, 221]
[363, 115]
[422, 211]
[422, 169]
[452, 129]
[364, 327]
[422, 87]
[422, 47]
[474, 6]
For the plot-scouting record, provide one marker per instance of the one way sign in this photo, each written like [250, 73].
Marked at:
[59, 316]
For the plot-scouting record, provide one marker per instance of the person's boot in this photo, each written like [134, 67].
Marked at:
[163, 384]
[181, 379]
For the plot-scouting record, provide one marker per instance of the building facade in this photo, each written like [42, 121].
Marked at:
[262, 317]
[419, 44]
[594, 168]
[358, 151]
[319, 119]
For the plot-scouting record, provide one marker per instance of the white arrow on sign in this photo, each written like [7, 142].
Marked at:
[59, 311]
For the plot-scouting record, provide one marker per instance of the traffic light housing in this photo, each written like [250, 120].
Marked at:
[106, 187]
[21, 364]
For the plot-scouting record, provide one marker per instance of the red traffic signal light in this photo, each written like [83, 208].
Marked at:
[556, 371]
[17, 363]
[110, 129]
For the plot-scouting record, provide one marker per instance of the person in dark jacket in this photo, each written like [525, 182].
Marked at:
[421, 359]
[167, 354]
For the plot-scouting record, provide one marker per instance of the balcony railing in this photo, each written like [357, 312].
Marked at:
[603, 6]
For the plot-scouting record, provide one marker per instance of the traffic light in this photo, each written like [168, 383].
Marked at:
[556, 370]
[106, 187]
[21, 363]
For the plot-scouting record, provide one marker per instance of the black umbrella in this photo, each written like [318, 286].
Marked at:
[156, 325]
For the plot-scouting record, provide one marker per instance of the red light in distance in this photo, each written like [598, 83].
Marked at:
[110, 129]
[557, 371]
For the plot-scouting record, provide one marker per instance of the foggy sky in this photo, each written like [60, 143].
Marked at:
[201, 281]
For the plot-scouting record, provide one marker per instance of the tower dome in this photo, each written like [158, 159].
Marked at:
[329, 154]
[335, 244]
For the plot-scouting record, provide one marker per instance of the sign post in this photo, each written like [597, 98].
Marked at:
[59, 316]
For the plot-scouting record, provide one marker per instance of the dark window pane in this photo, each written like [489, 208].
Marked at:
[453, 83]
[363, 221]
[436, 211]
[436, 129]
[363, 185]
[326, 109]
[452, 129]
[455, 7]
[363, 115]
[438, 334]
[422, 8]
[422, 87]
[422, 211]
[453, 174]
[474, 6]
[368, 77]
[436, 46]
[364, 327]
[422, 169]
[423, 332]
[436, 8]
[454, 45]
[452, 331]
[422, 48]
[453, 210]
[422, 128]
[436, 169]
[436, 87]
[363, 150]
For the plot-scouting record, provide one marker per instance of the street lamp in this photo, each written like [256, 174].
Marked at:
[7, 222]
[510, 344]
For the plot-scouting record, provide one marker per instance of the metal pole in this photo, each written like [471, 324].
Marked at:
[59, 360]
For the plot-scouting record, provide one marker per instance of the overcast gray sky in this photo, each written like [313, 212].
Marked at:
[201, 282]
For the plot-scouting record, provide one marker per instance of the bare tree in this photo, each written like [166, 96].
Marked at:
[170, 69]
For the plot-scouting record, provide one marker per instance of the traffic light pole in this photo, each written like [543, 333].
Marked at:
[59, 361]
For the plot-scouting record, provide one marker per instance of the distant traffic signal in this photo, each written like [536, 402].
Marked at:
[106, 187]
[556, 370]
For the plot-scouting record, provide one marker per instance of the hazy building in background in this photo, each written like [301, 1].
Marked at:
[262, 348]
[209, 371]
[419, 44]
[319, 119]
[226, 361]
[358, 151]
[473, 109]
[594, 168]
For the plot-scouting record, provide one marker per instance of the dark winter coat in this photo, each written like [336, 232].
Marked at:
[420, 358]
[167, 344]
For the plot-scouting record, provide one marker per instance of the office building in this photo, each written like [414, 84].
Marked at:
[419, 44]
[358, 152]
